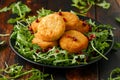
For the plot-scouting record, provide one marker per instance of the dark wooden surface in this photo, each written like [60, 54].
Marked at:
[96, 71]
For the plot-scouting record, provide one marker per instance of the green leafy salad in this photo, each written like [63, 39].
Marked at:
[100, 40]
[16, 72]
[85, 5]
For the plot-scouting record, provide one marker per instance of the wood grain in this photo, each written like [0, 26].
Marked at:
[118, 2]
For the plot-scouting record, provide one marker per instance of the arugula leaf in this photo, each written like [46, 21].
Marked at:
[5, 9]
[104, 5]
[85, 5]
[115, 74]
[16, 71]
[19, 9]
[117, 19]
[43, 12]
[3, 35]
[116, 45]
[2, 42]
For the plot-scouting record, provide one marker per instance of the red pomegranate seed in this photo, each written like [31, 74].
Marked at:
[74, 39]
[80, 52]
[60, 13]
[57, 51]
[84, 23]
[38, 51]
[37, 20]
[68, 36]
[92, 36]
[90, 28]
[64, 19]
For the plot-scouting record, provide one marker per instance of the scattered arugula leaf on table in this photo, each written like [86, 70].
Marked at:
[2, 42]
[85, 5]
[5, 9]
[18, 9]
[117, 19]
[115, 74]
[16, 71]
[3, 35]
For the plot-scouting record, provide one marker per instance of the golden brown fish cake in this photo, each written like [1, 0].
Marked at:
[82, 26]
[44, 44]
[73, 41]
[70, 19]
[35, 24]
[51, 27]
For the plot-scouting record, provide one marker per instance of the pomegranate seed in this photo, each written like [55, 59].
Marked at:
[60, 13]
[84, 23]
[37, 20]
[64, 19]
[30, 29]
[90, 28]
[38, 51]
[80, 52]
[74, 39]
[57, 51]
[68, 36]
[92, 36]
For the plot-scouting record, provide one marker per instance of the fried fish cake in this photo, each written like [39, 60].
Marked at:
[73, 41]
[70, 19]
[51, 27]
[44, 44]
[82, 26]
[35, 24]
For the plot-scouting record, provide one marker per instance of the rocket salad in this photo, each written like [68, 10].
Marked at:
[100, 40]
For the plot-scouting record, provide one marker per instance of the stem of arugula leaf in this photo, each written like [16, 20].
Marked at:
[2, 76]
[116, 78]
[20, 14]
[17, 76]
[88, 8]
[92, 44]
[4, 35]
[2, 42]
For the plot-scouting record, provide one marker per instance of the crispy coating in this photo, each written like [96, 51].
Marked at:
[70, 19]
[35, 24]
[73, 41]
[51, 27]
[44, 44]
[82, 27]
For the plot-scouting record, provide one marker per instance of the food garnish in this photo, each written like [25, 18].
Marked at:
[85, 5]
[16, 72]
[114, 74]
[3, 35]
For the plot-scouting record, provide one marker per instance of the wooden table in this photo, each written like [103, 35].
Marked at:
[96, 71]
